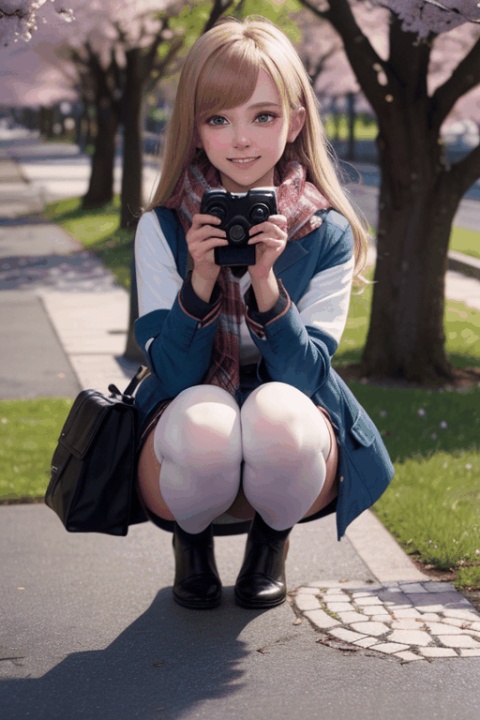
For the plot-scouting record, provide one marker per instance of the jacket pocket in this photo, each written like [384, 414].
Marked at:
[365, 470]
[363, 430]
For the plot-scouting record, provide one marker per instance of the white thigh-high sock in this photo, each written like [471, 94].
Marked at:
[198, 444]
[285, 442]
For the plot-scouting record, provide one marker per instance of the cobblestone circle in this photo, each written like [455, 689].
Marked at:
[408, 621]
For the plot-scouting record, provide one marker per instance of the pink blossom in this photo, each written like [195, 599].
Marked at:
[19, 18]
[424, 17]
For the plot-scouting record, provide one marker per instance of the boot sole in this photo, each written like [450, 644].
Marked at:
[199, 605]
[259, 604]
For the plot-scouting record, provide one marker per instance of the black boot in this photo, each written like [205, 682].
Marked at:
[196, 584]
[261, 582]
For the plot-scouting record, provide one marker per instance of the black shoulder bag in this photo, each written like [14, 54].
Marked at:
[93, 468]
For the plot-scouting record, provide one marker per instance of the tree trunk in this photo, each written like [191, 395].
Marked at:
[131, 198]
[416, 208]
[351, 126]
[46, 121]
[132, 351]
[131, 194]
[100, 189]
[419, 194]
[82, 125]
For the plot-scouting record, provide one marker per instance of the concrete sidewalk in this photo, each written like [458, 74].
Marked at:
[91, 629]
[90, 632]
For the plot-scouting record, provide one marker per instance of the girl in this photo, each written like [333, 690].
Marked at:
[245, 424]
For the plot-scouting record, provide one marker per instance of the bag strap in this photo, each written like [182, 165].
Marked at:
[129, 391]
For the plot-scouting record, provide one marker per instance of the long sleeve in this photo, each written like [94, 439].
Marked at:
[297, 345]
[177, 344]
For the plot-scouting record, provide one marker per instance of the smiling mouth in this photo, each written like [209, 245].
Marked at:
[243, 161]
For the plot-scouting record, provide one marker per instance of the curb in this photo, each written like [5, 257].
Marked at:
[464, 264]
[380, 551]
[406, 615]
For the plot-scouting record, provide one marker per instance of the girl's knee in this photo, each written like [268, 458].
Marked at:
[201, 395]
[201, 426]
[281, 424]
[272, 390]
[273, 411]
[276, 402]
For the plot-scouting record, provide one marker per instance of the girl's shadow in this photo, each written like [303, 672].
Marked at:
[167, 661]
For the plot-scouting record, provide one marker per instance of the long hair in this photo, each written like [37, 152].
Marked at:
[220, 72]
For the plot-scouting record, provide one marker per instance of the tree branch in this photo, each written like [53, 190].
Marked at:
[365, 61]
[315, 66]
[152, 50]
[411, 75]
[465, 77]
[175, 45]
[219, 8]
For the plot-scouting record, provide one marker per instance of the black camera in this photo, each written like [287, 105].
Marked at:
[238, 213]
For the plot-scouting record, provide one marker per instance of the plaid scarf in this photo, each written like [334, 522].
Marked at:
[297, 199]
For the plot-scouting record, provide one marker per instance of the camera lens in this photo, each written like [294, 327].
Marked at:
[218, 210]
[259, 213]
[237, 234]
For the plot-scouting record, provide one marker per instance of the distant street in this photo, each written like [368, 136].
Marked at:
[64, 172]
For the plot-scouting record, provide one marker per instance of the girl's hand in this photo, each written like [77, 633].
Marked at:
[203, 236]
[270, 237]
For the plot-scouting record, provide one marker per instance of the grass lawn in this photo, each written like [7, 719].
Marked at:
[365, 128]
[432, 506]
[28, 435]
[465, 241]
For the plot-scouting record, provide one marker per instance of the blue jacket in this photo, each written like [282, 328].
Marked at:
[291, 352]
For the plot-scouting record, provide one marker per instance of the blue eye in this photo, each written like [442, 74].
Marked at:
[216, 120]
[265, 117]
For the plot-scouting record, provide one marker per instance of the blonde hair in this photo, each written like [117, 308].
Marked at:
[220, 72]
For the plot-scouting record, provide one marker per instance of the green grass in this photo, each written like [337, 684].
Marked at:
[465, 241]
[28, 436]
[365, 128]
[98, 230]
[432, 505]
[462, 329]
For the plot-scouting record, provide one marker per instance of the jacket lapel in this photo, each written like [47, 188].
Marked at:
[294, 252]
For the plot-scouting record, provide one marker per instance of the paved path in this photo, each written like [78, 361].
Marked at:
[408, 621]
[88, 626]
[89, 631]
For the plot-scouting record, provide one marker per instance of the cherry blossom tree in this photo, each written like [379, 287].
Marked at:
[121, 49]
[325, 60]
[35, 84]
[420, 187]
[115, 46]
[426, 17]
[19, 18]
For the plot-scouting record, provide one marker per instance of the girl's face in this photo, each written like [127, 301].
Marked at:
[246, 142]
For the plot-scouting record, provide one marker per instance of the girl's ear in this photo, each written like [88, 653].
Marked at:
[297, 121]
